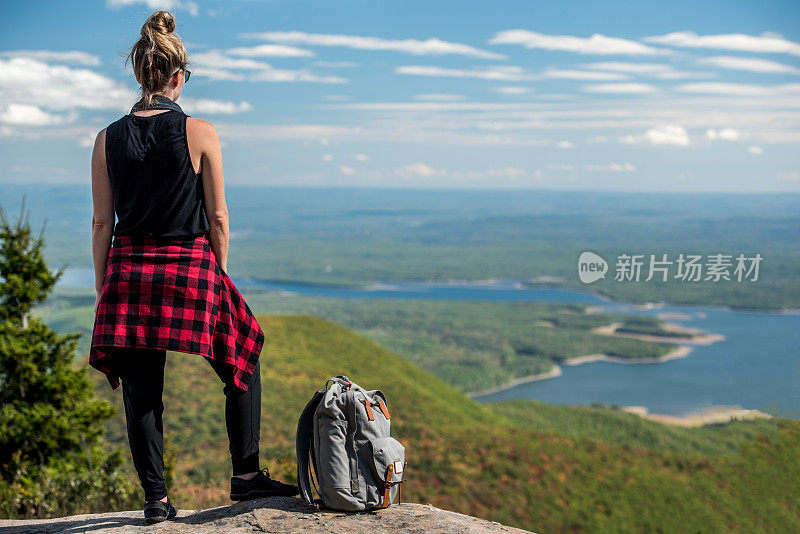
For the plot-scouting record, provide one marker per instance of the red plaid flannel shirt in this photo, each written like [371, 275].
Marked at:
[170, 293]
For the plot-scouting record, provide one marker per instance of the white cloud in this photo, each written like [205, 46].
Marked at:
[34, 89]
[610, 167]
[749, 64]
[583, 75]
[269, 50]
[539, 123]
[59, 56]
[431, 106]
[565, 144]
[620, 88]
[327, 157]
[440, 97]
[507, 73]
[740, 89]
[428, 47]
[727, 134]
[335, 64]
[668, 135]
[789, 176]
[683, 74]
[29, 115]
[217, 75]
[493, 175]
[766, 42]
[362, 157]
[29, 81]
[344, 169]
[205, 105]
[653, 70]
[757, 150]
[71, 132]
[510, 90]
[169, 5]
[218, 59]
[323, 133]
[596, 44]
[218, 65]
[416, 170]
[87, 141]
[506, 172]
[632, 68]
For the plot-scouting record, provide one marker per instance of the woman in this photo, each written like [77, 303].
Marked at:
[162, 284]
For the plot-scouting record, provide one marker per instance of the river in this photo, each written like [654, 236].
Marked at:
[756, 366]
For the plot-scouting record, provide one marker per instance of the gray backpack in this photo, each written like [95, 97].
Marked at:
[344, 430]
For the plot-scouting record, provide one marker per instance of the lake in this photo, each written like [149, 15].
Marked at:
[757, 366]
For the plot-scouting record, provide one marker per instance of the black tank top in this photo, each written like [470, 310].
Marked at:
[155, 188]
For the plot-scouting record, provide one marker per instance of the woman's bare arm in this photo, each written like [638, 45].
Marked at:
[103, 210]
[213, 187]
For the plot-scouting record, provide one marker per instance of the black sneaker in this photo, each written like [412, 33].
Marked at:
[260, 485]
[158, 511]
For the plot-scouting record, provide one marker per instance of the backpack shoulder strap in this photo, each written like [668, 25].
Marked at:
[303, 446]
[352, 453]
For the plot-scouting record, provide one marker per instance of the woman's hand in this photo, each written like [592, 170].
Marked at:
[96, 303]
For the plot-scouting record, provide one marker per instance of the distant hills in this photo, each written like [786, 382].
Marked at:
[358, 235]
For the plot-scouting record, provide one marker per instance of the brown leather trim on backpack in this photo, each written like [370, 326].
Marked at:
[387, 485]
[369, 409]
[384, 409]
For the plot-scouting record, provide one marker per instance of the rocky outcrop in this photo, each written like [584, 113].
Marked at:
[273, 514]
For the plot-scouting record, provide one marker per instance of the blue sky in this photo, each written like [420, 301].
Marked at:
[646, 96]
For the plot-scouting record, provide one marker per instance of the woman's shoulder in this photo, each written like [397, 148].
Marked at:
[201, 129]
[200, 125]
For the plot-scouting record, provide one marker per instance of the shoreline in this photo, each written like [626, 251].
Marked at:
[525, 284]
[708, 416]
[698, 339]
[679, 352]
[552, 373]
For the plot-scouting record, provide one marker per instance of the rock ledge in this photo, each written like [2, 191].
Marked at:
[272, 514]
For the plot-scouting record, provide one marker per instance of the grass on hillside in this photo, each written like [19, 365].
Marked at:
[471, 458]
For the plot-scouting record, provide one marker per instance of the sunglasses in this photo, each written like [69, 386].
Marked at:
[186, 74]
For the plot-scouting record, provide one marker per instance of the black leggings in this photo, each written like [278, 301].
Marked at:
[141, 372]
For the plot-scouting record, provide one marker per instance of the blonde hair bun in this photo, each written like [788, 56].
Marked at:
[161, 21]
[157, 53]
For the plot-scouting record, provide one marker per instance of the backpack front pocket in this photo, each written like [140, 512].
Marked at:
[386, 452]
